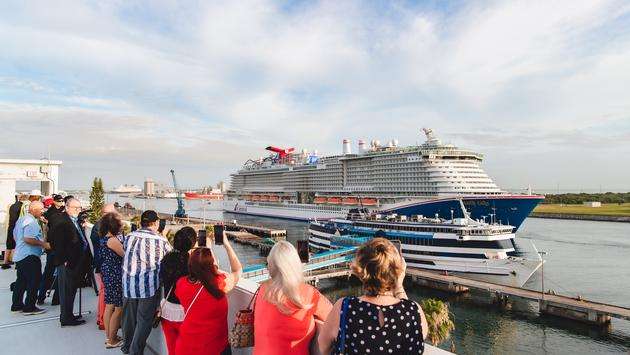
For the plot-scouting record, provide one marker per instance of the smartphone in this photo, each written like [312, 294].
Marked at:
[218, 234]
[302, 249]
[162, 225]
[397, 245]
[201, 238]
[134, 227]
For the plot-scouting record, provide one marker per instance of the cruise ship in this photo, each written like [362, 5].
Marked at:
[469, 248]
[428, 179]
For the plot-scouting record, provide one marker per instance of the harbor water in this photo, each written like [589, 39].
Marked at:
[591, 259]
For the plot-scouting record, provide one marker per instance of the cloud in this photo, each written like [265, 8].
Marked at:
[203, 84]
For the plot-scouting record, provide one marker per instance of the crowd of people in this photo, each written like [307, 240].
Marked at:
[143, 280]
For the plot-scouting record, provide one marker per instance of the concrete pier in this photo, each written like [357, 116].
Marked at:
[581, 310]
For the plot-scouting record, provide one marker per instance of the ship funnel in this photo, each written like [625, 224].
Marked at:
[362, 147]
[346, 147]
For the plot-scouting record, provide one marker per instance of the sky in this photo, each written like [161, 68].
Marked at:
[125, 90]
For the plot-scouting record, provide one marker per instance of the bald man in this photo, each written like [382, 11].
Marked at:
[29, 246]
[96, 265]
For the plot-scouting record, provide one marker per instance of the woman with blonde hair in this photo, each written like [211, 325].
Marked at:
[286, 308]
[382, 320]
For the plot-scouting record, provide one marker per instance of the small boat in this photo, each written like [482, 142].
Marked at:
[350, 201]
[255, 197]
[274, 198]
[369, 202]
[320, 199]
[334, 200]
[264, 198]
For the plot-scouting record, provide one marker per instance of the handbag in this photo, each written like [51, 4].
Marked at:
[159, 315]
[340, 347]
[242, 333]
[171, 311]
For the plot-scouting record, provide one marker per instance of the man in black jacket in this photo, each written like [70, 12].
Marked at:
[14, 214]
[51, 214]
[72, 257]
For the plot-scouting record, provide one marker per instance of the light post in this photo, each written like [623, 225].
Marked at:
[542, 274]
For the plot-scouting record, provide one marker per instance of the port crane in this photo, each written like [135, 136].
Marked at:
[181, 212]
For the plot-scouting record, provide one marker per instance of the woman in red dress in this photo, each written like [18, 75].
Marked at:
[203, 295]
[287, 309]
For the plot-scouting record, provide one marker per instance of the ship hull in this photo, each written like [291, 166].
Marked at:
[505, 209]
[508, 209]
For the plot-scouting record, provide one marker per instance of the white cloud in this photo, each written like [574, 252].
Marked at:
[250, 73]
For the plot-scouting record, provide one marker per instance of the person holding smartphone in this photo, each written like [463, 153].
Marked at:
[202, 294]
[287, 309]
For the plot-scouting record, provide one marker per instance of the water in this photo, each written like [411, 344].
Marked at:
[587, 258]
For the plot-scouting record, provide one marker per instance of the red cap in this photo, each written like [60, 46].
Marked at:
[48, 201]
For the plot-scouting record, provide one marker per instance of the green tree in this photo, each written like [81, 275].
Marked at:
[438, 319]
[97, 199]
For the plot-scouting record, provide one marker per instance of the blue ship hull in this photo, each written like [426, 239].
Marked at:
[507, 209]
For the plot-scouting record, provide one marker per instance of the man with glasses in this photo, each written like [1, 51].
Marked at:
[71, 250]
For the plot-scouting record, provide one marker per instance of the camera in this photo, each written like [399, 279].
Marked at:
[83, 216]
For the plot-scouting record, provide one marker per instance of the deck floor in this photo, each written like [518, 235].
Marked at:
[42, 334]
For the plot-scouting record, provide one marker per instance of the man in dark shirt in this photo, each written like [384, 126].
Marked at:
[14, 214]
[57, 208]
[72, 255]
[51, 215]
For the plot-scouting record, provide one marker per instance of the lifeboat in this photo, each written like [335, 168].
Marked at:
[350, 201]
[274, 198]
[320, 200]
[369, 202]
[255, 198]
[248, 198]
[264, 198]
[334, 200]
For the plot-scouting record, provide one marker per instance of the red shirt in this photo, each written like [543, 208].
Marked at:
[205, 329]
[283, 334]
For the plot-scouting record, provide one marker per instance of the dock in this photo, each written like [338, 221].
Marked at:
[582, 310]
[335, 264]
[129, 213]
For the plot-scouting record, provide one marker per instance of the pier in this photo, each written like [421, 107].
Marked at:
[129, 213]
[582, 310]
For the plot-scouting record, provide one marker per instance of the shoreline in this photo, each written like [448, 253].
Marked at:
[580, 217]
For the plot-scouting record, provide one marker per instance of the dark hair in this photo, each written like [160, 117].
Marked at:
[201, 268]
[184, 239]
[65, 199]
[110, 223]
[148, 217]
[377, 264]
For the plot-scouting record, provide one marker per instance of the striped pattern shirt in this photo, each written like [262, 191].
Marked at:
[144, 249]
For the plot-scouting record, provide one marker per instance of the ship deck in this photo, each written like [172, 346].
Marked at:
[41, 334]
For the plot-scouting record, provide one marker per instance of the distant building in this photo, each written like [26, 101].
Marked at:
[149, 187]
[593, 204]
[221, 186]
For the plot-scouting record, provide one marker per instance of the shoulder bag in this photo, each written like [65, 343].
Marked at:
[242, 333]
[171, 311]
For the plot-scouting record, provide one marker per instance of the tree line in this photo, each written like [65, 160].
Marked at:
[578, 199]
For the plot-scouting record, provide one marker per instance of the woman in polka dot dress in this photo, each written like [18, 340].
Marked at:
[111, 269]
[383, 320]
